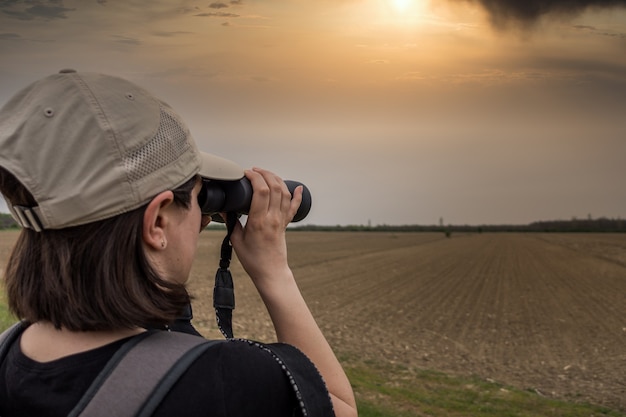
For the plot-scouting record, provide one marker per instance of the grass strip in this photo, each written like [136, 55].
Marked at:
[387, 390]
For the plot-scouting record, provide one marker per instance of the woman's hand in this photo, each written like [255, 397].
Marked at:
[261, 245]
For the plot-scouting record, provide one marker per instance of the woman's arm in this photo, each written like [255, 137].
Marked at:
[262, 250]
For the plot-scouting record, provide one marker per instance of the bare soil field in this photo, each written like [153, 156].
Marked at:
[543, 312]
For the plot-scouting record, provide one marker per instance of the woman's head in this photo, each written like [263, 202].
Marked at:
[95, 276]
[91, 146]
[83, 159]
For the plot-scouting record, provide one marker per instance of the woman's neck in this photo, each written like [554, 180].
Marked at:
[43, 342]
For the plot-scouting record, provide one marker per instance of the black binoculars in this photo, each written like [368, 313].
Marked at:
[235, 196]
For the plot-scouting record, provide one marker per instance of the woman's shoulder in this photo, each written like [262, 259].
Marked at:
[232, 377]
[246, 361]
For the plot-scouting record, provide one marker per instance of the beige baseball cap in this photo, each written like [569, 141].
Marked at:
[91, 146]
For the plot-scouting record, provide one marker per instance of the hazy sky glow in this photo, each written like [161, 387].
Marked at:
[391, 111]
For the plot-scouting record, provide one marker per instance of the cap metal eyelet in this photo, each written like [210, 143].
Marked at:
[48, 112]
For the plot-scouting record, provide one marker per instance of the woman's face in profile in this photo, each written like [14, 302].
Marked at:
[182, 238]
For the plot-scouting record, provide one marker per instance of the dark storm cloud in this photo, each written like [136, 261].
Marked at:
[527, 12]
[30, 10]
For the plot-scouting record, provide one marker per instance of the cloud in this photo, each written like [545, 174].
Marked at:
[488, 77]
[18, 15]
[10, 37]
[596, 31]
[171, 34]
[186, 10]
[585, 27]
[16, 37]
[216, 14]
[527, 12]
[126, 40]
[34, 9]
[218, 5]
[201, 74]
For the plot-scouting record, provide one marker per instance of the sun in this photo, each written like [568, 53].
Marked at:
[400, 13]
[407, 8]
[401, 5]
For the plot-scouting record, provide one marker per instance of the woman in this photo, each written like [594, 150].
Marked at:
[104, 179]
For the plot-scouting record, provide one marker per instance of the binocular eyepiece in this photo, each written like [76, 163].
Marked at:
[235, 196]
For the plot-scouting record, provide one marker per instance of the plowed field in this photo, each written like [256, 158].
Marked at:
[544, 312]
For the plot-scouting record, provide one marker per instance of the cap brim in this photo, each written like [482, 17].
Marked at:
[217, 168]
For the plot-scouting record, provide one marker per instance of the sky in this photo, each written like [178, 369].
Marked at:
[390, 111]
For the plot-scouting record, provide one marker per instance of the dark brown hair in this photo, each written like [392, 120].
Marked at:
[89, 277]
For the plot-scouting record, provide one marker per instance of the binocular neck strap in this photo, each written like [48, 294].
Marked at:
[224, 291]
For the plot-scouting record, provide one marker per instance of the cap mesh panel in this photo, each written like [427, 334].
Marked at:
[169, 143]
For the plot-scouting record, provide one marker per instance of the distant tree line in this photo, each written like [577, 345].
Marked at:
[600, 225]
[7, 222]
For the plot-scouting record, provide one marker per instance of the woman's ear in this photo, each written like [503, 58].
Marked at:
[155, 221]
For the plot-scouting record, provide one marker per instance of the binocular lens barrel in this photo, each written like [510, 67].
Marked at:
[236, 196]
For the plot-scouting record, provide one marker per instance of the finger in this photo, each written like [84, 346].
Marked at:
[279, 196]
[295, 202]
[261, 193]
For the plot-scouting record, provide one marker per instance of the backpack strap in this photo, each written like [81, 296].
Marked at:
[140, 374]
[144, 369]
[9, 336]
